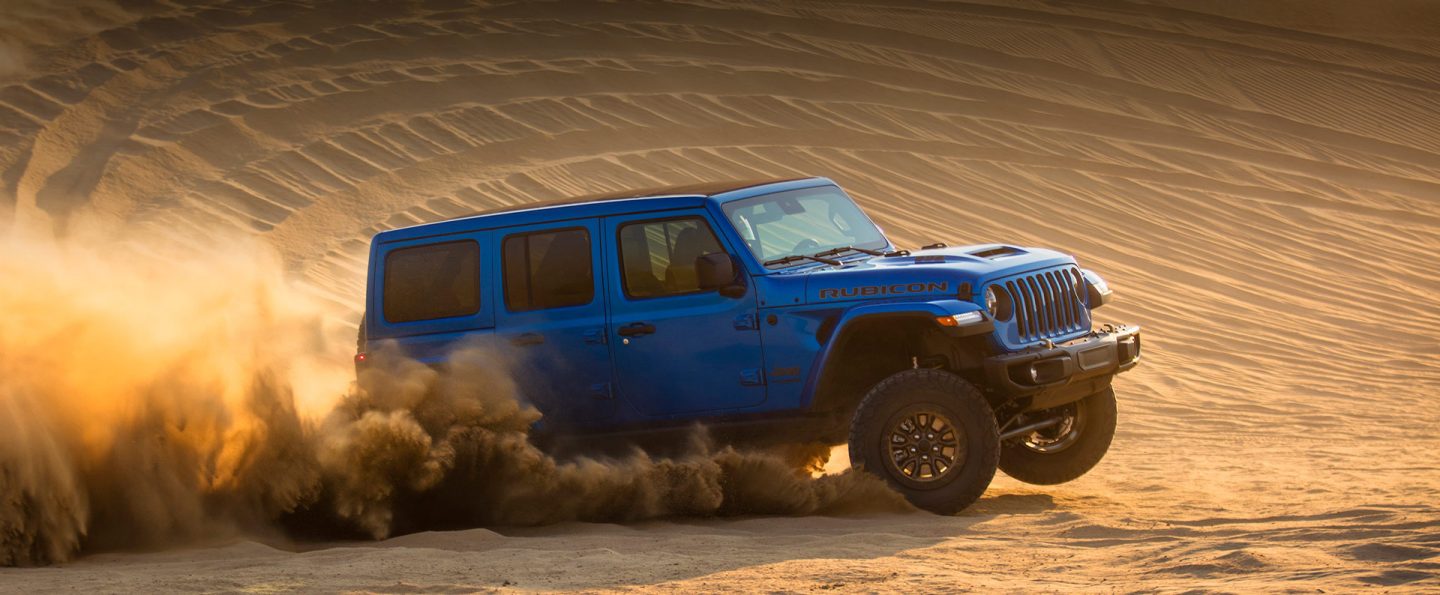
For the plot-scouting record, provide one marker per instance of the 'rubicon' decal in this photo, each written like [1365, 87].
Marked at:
[877, 290]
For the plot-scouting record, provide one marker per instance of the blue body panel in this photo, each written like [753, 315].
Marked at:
[708, 355]
[560, 356]
[704, 356]
[938, 273]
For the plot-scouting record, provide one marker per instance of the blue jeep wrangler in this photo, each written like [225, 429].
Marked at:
[770, 311]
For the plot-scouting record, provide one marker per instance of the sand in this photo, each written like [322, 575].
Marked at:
[1258, 183]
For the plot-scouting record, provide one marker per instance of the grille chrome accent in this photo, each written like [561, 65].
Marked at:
[1047, 304]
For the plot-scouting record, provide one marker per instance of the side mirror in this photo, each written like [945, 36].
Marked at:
[718, 272]
[1098, 290]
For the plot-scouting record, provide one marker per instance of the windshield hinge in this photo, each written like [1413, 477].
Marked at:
[752, 377]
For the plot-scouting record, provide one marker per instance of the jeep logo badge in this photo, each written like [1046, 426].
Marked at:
[878, 290]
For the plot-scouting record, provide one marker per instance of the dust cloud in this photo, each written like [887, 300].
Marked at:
[147, 401]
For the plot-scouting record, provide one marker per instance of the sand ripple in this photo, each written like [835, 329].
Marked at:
[1261, 187]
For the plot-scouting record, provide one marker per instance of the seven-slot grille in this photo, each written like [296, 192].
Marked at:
[1048, 303]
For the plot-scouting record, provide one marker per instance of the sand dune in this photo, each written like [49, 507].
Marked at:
[1258, 182]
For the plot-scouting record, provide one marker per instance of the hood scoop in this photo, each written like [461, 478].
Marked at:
[996, 252]
[973, 255]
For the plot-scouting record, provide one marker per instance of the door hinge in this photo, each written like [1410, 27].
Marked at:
[752, 376]
[747, 322]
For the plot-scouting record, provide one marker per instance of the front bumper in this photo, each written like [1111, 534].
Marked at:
[1059, 374]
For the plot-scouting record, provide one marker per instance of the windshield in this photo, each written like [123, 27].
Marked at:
[802, 223]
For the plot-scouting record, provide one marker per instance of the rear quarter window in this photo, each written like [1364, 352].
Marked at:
[433, 281]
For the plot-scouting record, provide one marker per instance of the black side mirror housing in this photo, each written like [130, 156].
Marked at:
[718, 271]
[1098, 290]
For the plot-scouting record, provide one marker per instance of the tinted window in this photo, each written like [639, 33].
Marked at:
[658, 257]
[549, 269]
[435, 281]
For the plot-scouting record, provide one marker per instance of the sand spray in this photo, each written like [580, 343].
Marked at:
[149, 401]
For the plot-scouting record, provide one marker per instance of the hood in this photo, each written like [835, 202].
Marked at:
[950, 272]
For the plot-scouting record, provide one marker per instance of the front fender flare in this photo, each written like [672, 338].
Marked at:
[931, 310]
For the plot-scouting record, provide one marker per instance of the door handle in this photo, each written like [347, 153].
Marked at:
[527, 339]
[636, 329]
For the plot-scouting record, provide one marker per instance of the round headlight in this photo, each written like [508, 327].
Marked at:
[998, 302]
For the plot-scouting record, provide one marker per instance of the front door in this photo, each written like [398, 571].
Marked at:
[552, 317]
[678, 349]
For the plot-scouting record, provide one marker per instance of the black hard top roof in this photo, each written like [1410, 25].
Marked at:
[699, 189]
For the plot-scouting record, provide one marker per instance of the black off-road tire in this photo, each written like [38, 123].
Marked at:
[949, 395]
[1025, 464]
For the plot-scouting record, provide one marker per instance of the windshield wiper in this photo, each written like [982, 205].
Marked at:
[843, 249]
[799, 257]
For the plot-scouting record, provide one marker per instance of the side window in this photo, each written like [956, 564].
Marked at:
[548, 269]
[657, 258]
[434, 281]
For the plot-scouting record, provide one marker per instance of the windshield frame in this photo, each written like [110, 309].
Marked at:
[859, 217]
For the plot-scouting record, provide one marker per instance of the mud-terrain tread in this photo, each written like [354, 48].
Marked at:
[1069, 464]
[967, 401]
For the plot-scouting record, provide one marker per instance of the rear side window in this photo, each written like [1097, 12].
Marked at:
[434, 281]
[658, 257]
[548, 269]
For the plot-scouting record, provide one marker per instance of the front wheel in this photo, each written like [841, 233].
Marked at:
[930, 435]
[1075, 443]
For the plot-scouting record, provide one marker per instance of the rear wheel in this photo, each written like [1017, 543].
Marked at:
[930, 435]
[1075, 442]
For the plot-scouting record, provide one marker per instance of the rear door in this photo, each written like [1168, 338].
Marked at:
[678, 350]
[551, 315]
